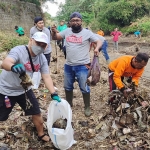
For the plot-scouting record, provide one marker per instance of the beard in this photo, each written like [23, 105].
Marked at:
[76, 29]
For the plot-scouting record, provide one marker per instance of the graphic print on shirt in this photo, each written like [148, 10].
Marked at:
[29, 68]
[127, 74]
[74, 39]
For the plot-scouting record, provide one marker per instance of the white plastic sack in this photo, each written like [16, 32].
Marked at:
[61, 138]
[36, 80]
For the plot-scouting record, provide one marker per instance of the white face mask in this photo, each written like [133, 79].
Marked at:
[37, 50]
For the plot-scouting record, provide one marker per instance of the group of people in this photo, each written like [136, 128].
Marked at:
[30, 58]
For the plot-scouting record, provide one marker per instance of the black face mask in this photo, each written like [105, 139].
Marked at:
[76, 29]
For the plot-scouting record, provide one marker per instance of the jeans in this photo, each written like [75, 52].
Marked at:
[116, 45]
[76, 72]
[104, 50]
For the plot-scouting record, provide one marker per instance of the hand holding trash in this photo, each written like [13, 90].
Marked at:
[55, 97]
[126, 92]
[18, 68]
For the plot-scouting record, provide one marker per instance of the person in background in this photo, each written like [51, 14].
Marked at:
[128, 66]
[39, 27]
[137, 34]
[77, 57]
[16, 65]
[100, 32]
[19, 30]
[116, 34]
[60, 28]
[103, 48]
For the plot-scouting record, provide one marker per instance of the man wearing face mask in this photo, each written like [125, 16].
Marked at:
[77, 42]
[18, 63]
[39, 27]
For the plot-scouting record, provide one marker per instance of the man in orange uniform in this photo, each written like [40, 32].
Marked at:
[100, 32]
[126, 66]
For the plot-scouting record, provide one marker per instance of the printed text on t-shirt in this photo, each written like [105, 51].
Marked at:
[74, 39]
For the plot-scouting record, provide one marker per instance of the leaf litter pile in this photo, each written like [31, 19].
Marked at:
[124, 125]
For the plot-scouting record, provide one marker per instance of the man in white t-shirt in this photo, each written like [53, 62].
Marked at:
[16, 64]
[77, 42]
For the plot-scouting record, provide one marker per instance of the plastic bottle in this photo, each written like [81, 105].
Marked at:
[7, 102]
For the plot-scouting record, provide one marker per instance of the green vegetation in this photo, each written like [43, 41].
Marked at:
[108, 14]
[37, 2]
[142, 25]
[32, 1]
[9, 40]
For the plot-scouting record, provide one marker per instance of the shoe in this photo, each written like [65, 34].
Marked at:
[86, 99]
[87, 111]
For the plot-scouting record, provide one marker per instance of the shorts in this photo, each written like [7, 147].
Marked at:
[21, 100]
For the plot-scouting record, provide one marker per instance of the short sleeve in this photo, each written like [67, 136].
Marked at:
[14, 54]
[93, 37]
[63, 33]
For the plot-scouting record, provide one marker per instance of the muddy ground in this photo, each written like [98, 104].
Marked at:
[92, 133]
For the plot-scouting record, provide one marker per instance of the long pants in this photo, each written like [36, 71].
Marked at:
[104, 50]
[48, 57]
[116, 45]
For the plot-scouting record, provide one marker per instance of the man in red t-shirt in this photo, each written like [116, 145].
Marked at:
[116, 34]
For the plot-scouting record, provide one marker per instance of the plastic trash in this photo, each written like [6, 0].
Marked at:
[61, 138]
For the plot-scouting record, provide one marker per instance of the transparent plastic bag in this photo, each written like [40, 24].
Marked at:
[61, 138]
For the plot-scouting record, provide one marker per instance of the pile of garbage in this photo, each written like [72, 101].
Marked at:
[130, 127]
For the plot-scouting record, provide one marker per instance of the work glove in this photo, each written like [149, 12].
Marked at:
[18, 68]
[55, 97]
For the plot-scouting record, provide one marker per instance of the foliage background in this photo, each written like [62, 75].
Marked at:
[108, 14]
[9, 40]
[128, 15]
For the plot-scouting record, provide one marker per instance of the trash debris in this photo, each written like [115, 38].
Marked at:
[26, 81]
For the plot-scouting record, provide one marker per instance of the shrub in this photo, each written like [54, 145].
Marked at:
[9, 40]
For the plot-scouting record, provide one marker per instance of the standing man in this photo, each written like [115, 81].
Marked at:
[17, 64]
[19, 30]
[103, 48]
[39, 27]
[100, 32]
[60, 28]
[77, 42]
[131, 67]
[116, 34]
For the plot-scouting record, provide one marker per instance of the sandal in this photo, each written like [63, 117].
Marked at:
[40, 138]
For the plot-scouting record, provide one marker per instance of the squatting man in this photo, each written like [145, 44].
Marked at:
[16, 64]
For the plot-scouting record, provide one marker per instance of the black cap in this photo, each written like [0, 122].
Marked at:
[37, 19]
[75, 14]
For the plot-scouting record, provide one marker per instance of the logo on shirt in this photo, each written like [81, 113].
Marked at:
[129, 74]
[74, 39]
[29, 68]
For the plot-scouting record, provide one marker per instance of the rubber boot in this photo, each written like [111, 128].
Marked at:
[69, 97]
[86, 98]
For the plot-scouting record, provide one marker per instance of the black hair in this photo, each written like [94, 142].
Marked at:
[142, 56]
[16, 27]
[37, 19]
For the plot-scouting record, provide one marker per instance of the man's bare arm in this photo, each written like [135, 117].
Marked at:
[55, 34]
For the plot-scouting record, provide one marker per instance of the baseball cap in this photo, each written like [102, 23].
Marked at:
[37, 19]
[75, 14]
[40, 37]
